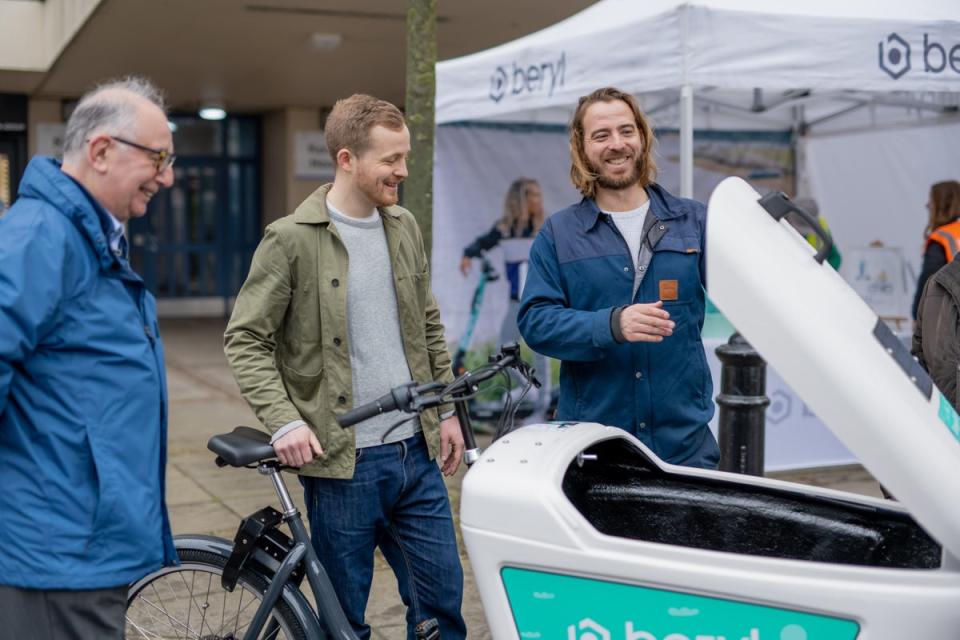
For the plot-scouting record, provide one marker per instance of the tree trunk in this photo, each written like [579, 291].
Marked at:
[421, 89]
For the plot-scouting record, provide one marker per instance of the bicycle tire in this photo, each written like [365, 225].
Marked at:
[190, 602]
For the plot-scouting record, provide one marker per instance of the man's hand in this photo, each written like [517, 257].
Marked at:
[451, 445]
[645, 322]
[298, 447]
[465, 265]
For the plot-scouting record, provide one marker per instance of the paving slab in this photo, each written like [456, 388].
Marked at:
[183, 490]
[209, 517]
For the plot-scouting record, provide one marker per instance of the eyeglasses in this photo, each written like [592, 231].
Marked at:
[163, 159]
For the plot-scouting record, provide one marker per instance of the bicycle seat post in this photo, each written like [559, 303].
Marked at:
[289, 509]
[328, 605]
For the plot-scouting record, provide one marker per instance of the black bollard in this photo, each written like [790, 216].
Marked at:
[743, 403]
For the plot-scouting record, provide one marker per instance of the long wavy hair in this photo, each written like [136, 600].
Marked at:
[585, 179]
[517, 214]
[944, 204]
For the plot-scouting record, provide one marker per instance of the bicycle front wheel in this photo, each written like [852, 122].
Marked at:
[190, 602]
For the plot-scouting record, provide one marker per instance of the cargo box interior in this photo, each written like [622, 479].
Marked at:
[623, 494]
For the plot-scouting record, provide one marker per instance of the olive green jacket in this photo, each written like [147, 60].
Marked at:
[287, 338]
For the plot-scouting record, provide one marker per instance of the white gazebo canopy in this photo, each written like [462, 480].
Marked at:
[745, 64]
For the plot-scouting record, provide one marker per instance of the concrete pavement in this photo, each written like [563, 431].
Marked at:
[202, 498]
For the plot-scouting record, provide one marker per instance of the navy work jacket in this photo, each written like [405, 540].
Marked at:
[83, 419]
[580, 271]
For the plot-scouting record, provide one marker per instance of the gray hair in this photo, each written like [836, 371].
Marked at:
[105, 107]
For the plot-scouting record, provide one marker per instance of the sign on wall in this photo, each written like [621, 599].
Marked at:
[50, 138]
[312, 160]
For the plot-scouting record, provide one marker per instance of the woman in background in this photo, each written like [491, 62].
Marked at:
[522, 218]
[943, 232]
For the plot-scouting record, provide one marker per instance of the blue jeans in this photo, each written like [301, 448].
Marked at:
[397, 501]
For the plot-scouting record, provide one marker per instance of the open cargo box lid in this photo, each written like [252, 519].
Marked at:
[834, 351]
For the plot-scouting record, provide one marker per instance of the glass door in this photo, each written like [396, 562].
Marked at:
[196, 241]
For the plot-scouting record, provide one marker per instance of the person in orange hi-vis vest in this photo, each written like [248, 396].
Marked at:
[943, 232]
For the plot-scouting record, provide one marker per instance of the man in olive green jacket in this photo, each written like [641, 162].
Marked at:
[337, 310]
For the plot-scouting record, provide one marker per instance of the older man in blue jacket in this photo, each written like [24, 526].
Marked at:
[82, 387]
[615, 290]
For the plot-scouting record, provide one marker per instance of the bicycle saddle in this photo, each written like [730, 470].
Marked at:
[242, 446]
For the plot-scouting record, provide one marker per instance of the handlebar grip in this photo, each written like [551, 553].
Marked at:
[388, 402]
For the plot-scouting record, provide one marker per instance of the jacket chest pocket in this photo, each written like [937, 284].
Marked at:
[674, 275]
[595, 283]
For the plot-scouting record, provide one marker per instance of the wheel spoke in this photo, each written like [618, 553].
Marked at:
[162, 608]
[174, 605]
[241, 608]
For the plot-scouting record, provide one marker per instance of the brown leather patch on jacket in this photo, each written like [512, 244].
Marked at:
[669, 290]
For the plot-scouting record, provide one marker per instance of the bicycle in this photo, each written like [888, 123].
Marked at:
[485, 411]
[487, 274]
[250, 588]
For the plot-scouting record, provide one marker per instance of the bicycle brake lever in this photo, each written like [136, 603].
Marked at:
[530, 373]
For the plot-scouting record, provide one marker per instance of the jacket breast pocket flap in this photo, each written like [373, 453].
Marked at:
[676, 270]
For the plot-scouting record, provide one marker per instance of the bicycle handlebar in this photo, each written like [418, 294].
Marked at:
[414, 398]
[398, 398]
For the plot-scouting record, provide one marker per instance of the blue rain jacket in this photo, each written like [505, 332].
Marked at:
[580, 271]
[82, 398]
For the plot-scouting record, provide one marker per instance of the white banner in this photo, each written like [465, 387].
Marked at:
[872, 187]
[642, 47]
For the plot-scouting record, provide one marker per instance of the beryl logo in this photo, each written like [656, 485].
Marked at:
[895, 57]
[498, 84]
[587, 629]
[937, 56]
[516, 79]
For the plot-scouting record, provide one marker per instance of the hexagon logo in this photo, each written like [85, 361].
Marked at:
[895, 56]
[587, 629]
[498, 84]
[781, 405]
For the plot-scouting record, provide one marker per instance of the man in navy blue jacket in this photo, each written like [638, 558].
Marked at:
[83, 413]
[615, 290]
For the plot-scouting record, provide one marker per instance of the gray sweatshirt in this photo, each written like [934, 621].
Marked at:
[373, 324]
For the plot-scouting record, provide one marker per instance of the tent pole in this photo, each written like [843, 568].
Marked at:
[686, 141]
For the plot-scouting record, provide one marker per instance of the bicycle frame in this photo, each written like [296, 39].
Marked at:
[329, 613]
[282, 561]
[279, 562]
